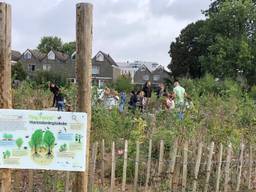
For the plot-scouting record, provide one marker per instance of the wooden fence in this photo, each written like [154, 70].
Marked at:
[180, 166]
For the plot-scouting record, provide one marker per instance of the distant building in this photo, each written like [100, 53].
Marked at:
[15, 56]
[142, 71]
[104, 68]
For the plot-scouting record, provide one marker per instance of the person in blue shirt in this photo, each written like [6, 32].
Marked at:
[122, 101]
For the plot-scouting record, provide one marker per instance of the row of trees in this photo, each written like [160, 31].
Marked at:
[222, 45]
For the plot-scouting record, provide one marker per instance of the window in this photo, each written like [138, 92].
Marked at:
[95, 70]
[72, 80]
[32, 68]
[46, 67]
[156, 77]
[146, 77]
[100, 57]
[27, 55]
[51, 55]
[143, 68]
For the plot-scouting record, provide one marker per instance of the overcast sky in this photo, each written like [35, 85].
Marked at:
[126, 29]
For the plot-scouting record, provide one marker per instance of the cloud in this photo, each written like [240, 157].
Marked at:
[126, 29]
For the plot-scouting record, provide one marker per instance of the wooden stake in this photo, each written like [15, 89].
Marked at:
[250, 169]
[125, 165]
[209, 166]
[172, 163]
[197, 167]
[113, 169]
[93, 166]
[227, 168]
[84, 73]
[241, 159]
[161, 158]
[102, 163]
[219, 169]
[148, 164]
[185, 165]
[136, 174]
[5, 77]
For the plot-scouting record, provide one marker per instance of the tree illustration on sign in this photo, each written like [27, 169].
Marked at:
[36, 140]
[6, 154]
[19, 142]
[48, 141]
[63, 148]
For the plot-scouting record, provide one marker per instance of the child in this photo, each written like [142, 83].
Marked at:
[141, 101]
[122, 101]
[133, 101]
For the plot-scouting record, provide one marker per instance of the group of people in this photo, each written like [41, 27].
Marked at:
[140, 100]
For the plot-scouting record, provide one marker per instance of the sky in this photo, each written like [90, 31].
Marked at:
[128, 30]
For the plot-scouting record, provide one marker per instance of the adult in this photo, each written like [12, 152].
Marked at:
[55, 90]
[147, 89]
[179, 94]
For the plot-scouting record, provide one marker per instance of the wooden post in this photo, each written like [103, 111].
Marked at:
[250, 169]
[219, 169]
[84, 74]
[197, 167]
[209, 166]
[93, 166]
[172, 163]
[5, 77]
[136, 174]
[148, 164]
[227, 175]
[125, 165]
[241, 159]
[31, 180]
[161, 158]
[67, 181]
[102, 163]
[113, 168]
[185, 167]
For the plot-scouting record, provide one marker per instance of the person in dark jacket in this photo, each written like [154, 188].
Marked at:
[60, 101]
[133, 101]
[55, 90]
[161, 91]
[147, 89]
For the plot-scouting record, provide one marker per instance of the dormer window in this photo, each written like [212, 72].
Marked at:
[73, 56]
[100, 57]
[143, 68]
[51, 55]
[27, 55]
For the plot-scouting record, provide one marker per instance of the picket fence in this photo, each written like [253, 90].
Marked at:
[185, 167]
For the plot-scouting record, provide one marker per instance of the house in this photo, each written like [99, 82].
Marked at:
[31, 60]
[155, 74]
[104, 69]
[15, 56]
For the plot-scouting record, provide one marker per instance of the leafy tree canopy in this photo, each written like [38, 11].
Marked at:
[50, 43]
[222, 45]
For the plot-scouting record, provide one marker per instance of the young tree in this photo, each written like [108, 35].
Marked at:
[19, 142]
[18, 72]
[123, 83]
[49, 140]
[50, 43]
[36, 140]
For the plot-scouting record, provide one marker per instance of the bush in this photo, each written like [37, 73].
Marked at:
[43, 77]
[123, 83]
